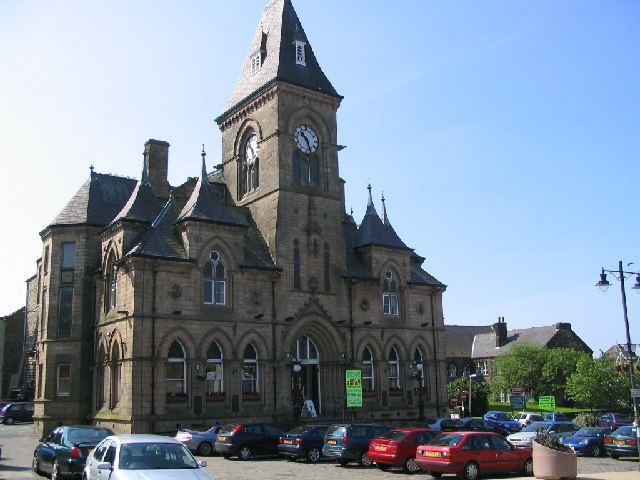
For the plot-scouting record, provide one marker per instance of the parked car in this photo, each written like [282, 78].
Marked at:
[64, 451]
[471, 424]
[614, 420]
[245, 440]
[444, 424]
[622, 442]
[304, 441]
[348, 443]
[471, 454]
[588, 441]
[16, 412]
[556, 417]
[133, 457]
[558, 429]
[527, 418]
[197, 441]
[503, 420]
[397, 447]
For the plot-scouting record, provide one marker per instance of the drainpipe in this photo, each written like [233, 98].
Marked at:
[273, 345]
[351, 327]
[435, 355]
[154, 275]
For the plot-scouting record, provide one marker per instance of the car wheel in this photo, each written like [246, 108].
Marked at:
[615, 456]
[35, 466]
[9, 420]
[55, 471]
[313, 455]
[527, 468]
[471, 471]
[410, 465]
[244, 453]
[595, 450]
[382, 466]
[205, 449]
[364, 460]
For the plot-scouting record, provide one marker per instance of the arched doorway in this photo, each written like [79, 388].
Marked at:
[305, 378]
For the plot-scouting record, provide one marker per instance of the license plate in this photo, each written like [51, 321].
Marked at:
[619, 442]
[288, 442]
[222, 439]
[331, 442]
[431, 454]
[380, 448]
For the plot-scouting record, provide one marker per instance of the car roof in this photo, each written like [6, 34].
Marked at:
[143, 438]
[413, 429]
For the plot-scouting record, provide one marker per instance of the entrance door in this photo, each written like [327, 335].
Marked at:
[306, 383]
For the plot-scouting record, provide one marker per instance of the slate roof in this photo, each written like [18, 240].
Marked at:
[97, 201]
[278, 28]
[142, 205]
[459, 339]
[355, 268]
[373, 231]
[419, 276]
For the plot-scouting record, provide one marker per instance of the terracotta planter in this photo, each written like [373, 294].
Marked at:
[550, 464]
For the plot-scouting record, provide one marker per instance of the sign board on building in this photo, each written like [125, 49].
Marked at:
[516, 390]
[547, 402]
[635, 393]
[353, 379]
[518, 402]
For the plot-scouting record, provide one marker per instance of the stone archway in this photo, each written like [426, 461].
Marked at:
[305, 382]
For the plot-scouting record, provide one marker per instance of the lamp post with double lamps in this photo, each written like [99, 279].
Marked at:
[471, 377]
[604, 284]
[417, 372]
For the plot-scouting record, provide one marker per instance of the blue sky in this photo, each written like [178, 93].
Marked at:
[504, 134]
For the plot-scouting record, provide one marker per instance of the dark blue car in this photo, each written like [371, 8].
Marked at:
[502, 420]
[304, 441]
[587, 441]
[16, 412]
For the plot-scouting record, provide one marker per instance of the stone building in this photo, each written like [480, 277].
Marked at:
[11, 342]
[162, 305]
[458, 345]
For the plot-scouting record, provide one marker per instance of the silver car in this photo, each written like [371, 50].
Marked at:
[557, 429]
[200, 442]
[149, 457]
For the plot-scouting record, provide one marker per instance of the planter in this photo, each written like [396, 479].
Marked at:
[177, 397]
[395, 392]
[550, 464]
[214, 397]
[252, 397]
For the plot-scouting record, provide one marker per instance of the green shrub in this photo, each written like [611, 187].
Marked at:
[586, 419]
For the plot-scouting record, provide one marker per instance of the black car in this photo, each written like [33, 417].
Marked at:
[64, 451]
[245, 440]
[304, 441]
[347, 442]
[479, 425]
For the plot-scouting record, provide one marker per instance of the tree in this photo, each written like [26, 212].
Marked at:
[598, 385]
[479, 393]
[560, 364]
[521, 366]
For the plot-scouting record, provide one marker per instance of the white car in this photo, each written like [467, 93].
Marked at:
[527, 418]
[526, 436]
[148, 457]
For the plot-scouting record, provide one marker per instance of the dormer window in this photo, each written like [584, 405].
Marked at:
[256, 63]
[300, 54]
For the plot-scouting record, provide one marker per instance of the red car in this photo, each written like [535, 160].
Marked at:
[470, 454]
[397, 447]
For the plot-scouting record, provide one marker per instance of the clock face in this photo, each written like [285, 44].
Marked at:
[251, 148]
[306, 138]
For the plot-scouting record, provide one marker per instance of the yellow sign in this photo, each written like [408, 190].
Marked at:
[353, 379]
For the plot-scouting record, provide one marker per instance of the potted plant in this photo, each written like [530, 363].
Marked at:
[177, 397]
[551, 459]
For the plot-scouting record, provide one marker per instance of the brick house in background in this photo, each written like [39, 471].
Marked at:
[159, 304]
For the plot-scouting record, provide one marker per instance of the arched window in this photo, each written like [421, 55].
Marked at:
[394, 370]
[306, 350]
[296, 264]
[110, 283]
[418, 358]
[327, 268]
[390, 294]
[452, 371]
[176, 369]
[101, 381]
[368, 374]
[215, 369]
[116, 370]
[249, 167]
[306, 169]
[214, 280]
[250, 378]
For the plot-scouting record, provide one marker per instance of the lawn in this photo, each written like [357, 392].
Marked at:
[533, 407]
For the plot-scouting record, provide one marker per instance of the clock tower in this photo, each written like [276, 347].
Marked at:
[280, 152]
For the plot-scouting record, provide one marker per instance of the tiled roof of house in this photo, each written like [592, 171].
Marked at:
[373, 232]
[142, 205]
[355, 268]
[459, 339]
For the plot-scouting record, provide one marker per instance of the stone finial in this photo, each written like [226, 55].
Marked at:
[385, 219]
[204, 163]
[370, 202]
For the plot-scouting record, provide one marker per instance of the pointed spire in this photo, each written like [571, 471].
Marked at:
[204, 162]
[385, 220]
[370, 202]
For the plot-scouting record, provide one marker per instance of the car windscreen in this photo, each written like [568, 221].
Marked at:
[86, 435]
[534, 427]
[503, 416]
[626, 431]
[589, 432]
[393, 435]
[156, 456]
[450, 424]
[228, 428]
[622, 416]
[446, 440]
[336, 431]
[214, 429]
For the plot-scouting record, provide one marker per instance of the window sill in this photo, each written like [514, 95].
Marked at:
[177, 398]
[369, 393]
[395, 392]
[252, 397]
[214, 397]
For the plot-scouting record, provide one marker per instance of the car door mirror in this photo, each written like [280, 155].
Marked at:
[104, 466]
[202, 463]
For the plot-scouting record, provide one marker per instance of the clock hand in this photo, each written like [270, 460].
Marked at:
[306, 141]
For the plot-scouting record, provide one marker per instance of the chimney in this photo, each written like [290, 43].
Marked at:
[500, 327]
[156, 162]
[563, 326]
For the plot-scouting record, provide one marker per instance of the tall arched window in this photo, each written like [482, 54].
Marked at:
[306, 349]
[306, 168]
[214, 280]
[101, 381]
[176, 369]
[249, 168]
[368, 374]
[250, 377]
[215, 369]
[418, 358]
[110, 283]
[296, 264]
[390, 294]
[327, 268]
[394, 370]
[116, 370]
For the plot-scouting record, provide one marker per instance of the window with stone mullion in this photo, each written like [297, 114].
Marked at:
[368, 374]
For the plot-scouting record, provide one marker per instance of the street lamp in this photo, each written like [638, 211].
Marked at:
[471, 376]
[604, 284]
[418, 374]
[297, 394]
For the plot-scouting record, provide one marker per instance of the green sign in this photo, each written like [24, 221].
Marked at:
[353, 380]
[517, 402]
[547, 402]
